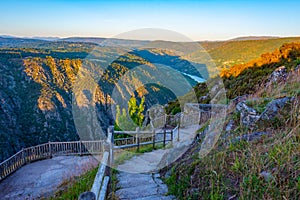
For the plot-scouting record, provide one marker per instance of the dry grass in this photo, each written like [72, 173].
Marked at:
[266, 168]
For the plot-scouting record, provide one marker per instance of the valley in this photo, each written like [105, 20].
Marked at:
[73, 88]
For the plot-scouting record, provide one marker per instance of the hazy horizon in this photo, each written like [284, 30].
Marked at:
[250, 37]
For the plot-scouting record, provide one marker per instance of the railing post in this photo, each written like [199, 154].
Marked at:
[178, 130]
[111, 144]
[153, 139]
[87, 196]
[138, 138]
[49, 148]
[172, 136]
[23, 157]
[80, 148]
[165, 137]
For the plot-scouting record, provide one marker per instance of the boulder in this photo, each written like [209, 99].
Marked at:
[251, 136]
[230, 126]
[278, 75]
[249, 116]
[237, 100]
[204, 98]
[274, 107]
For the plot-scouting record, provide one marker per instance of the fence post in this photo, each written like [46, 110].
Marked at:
[153, 138]
[165, 137]
[49, 148]
[23, 156]
[87, 196]
[111, 145]
[80, 148]
[178, 131]
[172, 136]
[138, 138]
[165, 120]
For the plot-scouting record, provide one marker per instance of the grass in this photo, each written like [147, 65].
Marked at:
[114, 187]
[258, 104]
[236, 170]
[74, 187]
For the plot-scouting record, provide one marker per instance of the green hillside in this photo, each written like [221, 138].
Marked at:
[228, 53]
[258, 162]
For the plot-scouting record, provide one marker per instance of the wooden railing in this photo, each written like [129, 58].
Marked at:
[48, 150]
[139, 138]
[101, 181]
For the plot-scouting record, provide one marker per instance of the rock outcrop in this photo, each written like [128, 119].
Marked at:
[249, 116]
[274, 107]
[279, 75]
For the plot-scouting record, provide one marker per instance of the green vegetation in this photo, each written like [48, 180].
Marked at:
[265, 168]
[249, 78]
[71, 189]
[259, 105]
[136, 111]
[131, 119]
[229, 53]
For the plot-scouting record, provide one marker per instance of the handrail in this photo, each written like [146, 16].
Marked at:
[100, 175]
[101, 181]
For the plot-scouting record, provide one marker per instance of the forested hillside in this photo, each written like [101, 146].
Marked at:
[232, 52]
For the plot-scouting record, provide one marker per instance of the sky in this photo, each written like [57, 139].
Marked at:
[197, 20]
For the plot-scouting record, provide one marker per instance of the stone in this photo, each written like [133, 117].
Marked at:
[87, 196]
[278, 75]
[230, 126]
[204, 98]
[239, 99]
[267, 176]
[249, 116]
[236, 100]
[141, 186]
[251, 136]
[274, 107]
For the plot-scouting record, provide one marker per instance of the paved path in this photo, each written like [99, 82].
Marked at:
[42, 178]
[138, 177]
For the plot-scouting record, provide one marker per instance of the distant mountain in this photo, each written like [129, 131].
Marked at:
[7, 41]
[83, 39]
[107, 41]
[223, 53]
[232, 52]
[253, 38]
[45, 38]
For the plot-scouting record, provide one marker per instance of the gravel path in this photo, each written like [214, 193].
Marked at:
[42, 178]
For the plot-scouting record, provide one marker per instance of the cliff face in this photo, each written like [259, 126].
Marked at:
[32, 109]
[38, 86]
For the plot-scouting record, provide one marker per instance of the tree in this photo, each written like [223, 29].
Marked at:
[136, 111]
[130, 120]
